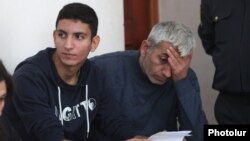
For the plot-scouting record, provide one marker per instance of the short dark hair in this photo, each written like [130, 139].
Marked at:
[6, 77]
[82, 12]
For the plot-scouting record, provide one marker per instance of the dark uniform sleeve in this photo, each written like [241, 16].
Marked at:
[206, 27]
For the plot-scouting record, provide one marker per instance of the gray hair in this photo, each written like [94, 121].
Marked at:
[175, 33]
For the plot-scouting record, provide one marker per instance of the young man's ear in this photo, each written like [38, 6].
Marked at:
[95, 43]
[144, 47]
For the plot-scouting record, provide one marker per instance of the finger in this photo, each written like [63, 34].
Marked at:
[175, 53]
[173, 61]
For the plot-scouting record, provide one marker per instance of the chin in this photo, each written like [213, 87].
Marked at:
[157, 82]
[160, 83]
[70, 63]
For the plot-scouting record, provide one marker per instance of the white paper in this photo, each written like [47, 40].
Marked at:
[170, 136]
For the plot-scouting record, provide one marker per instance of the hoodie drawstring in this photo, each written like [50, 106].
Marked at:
[60, 104]
[87, 110]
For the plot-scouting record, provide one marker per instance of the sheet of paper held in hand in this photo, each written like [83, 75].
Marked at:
[170, 136]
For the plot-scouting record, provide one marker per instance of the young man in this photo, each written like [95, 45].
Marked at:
[58, 93]
[155, 86]
[7, 132]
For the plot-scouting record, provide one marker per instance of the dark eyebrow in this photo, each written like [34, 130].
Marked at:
[60, 30]
[80, 33]
[76, 33]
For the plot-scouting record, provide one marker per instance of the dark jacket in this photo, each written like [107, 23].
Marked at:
[45, 108]
[225, 35]
[152, 108]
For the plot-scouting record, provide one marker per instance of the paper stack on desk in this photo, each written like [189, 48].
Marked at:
[170, 136]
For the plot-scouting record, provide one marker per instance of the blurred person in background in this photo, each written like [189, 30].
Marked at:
[7, 132]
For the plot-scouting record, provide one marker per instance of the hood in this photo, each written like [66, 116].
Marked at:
[43, 62]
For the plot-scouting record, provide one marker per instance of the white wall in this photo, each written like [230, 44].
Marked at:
[188, 12]
[27, 26]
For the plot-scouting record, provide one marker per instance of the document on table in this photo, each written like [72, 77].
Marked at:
[170, 136]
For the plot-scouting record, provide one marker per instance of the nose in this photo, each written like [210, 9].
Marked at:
[166, 71]
[68, 43]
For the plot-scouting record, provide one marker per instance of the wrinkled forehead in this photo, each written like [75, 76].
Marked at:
[163, 46]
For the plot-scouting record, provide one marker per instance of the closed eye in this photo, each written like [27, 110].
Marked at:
[163, 59]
